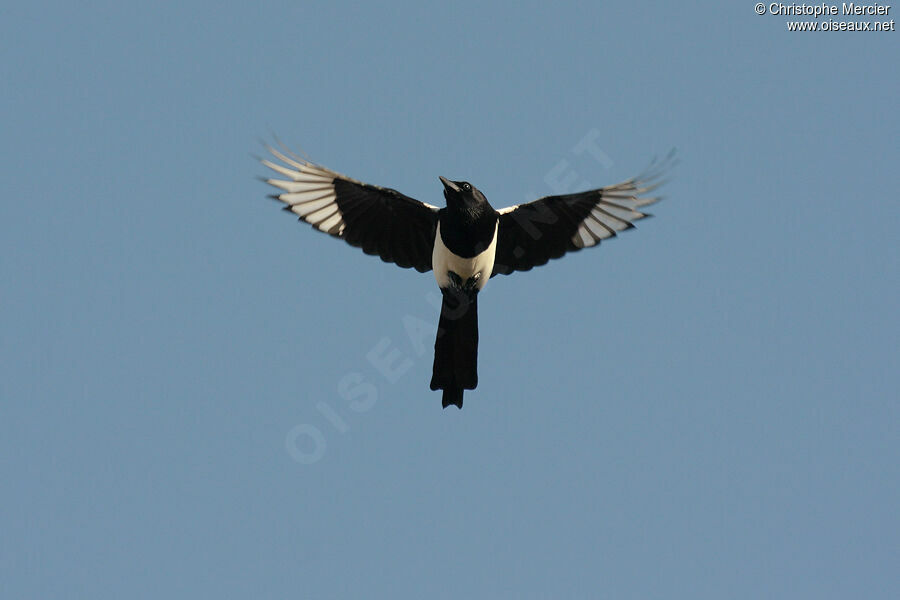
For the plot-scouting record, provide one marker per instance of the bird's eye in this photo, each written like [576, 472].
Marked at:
[467, 187]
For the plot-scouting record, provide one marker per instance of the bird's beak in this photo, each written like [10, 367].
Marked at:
[449, 185]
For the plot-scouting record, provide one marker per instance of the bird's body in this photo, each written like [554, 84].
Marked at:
[464, 262]
[462, 265]
[465, 244]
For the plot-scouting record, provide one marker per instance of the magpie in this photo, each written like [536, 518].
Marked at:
[465, 243]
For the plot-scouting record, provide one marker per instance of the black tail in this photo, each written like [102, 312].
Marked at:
[456, 346]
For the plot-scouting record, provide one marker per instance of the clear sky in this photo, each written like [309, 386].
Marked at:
[202, 398]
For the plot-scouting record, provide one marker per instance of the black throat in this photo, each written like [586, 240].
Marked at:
[468, 231]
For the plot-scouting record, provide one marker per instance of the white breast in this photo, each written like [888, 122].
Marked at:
[443, 261]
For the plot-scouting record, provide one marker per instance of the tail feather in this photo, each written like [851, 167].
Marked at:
[452, 396]
[456, 346]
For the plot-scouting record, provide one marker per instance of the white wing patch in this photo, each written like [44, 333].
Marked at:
[309, 192]
[616, 210]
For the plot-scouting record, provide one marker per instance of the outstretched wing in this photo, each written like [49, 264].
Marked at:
[531, 234]
[379, 220]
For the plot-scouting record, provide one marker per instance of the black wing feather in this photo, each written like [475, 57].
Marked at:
[381, 221]
[532, 234]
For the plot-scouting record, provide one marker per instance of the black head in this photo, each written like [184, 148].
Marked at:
[462, 194]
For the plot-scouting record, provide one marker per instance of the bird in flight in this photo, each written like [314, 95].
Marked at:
[464, 244]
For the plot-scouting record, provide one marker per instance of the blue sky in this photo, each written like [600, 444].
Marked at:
[193, 397]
